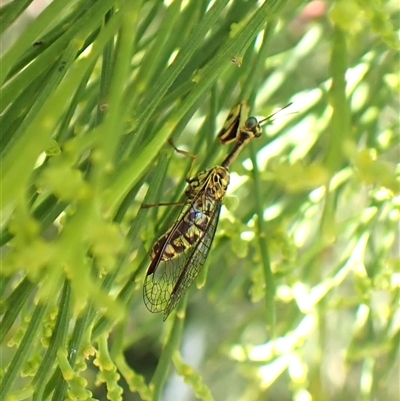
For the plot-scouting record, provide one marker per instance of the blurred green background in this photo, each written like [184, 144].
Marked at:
[299, 297]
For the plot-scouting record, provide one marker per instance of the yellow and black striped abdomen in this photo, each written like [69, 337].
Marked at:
[179, 254]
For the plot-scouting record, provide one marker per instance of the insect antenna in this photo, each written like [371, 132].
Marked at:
[250, 130]
[270, 118]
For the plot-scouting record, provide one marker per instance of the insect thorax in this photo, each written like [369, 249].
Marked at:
[212, 182]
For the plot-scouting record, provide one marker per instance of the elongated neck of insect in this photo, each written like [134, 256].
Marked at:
[234, 152]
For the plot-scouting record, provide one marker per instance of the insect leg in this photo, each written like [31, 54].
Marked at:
[148, 206]
[183, 152]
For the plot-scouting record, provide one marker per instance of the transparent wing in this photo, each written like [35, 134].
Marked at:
[178, 257]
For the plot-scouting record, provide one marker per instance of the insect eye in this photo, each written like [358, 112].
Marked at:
[251, 122]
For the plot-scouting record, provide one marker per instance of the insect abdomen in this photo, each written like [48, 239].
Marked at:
[184, 234]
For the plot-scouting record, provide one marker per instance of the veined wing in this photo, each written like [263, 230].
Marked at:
[179, 255]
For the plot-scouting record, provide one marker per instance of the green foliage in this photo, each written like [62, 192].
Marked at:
[300, 295]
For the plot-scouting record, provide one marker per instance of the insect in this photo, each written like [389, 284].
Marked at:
[178, 255]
